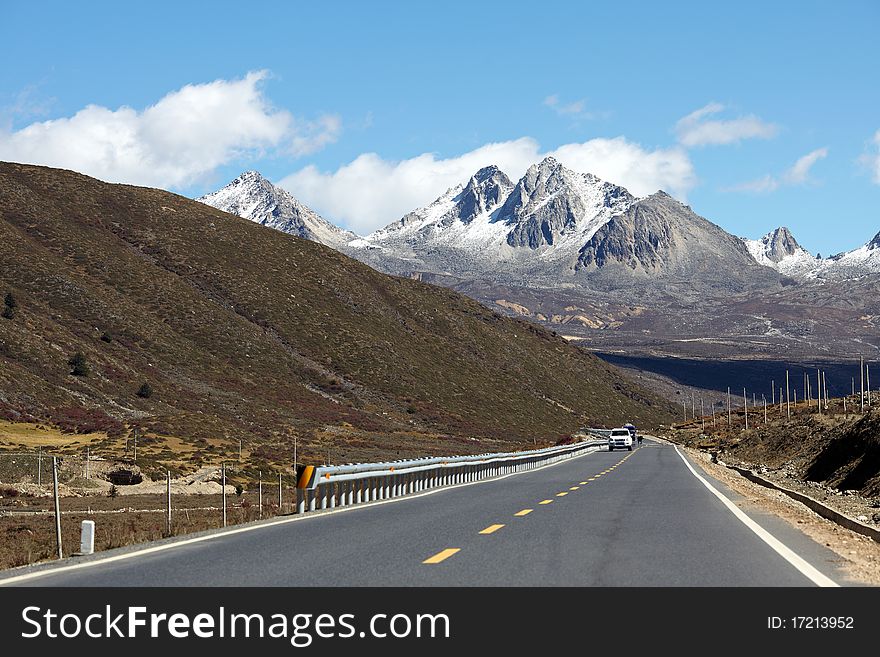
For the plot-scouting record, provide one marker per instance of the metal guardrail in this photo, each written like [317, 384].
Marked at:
[327, 487]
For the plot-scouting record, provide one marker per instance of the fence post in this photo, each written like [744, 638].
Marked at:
[57, 507]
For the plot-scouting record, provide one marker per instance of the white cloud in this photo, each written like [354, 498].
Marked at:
[371, 192]
[576, 107]
[182, 138]
[797, 174]
[871, 158]
[695, 130]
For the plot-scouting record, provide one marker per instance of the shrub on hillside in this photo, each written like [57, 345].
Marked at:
[145, 391]
[79, 366]
[9, 306]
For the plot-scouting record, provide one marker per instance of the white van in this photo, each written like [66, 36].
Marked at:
[620, 438]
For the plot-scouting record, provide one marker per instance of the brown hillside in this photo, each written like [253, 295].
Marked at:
[244, 332]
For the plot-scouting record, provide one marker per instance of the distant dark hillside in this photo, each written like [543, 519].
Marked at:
[241, 331]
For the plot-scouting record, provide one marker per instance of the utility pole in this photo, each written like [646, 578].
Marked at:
[825, 387]
[773, 391]
[239, 450]
[223, 478]
[168, 502]
[279, 493]
[57, 507]
[728, 407]
[861, 384]
[868, 382]
[764, 399]
[746, 407]
[40, 466]
[135, 445]
[787, 395]
[260, 492]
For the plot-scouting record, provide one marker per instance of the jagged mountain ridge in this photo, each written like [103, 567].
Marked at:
[552, 227]
[253, 197]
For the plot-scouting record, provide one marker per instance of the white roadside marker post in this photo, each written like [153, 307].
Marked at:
[87, 538]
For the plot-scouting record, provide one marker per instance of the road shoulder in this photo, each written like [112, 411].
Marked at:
[847, 557]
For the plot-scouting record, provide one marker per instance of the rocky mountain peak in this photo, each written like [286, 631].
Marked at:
[779, 244]
[253, 197]
[484, 191]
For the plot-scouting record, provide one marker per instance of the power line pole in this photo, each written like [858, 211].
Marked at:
[223, 476]
[764, 399]
[728, 407]
[787, 395]
[168, 502]
[861, 384]
[825, 387]
[746, 406]
[57, 507]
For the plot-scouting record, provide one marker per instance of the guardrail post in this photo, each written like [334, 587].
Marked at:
[300, 500]
[342, 489]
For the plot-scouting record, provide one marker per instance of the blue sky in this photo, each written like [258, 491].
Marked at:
[757, 114]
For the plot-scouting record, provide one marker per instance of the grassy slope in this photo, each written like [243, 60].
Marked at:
[245, 332]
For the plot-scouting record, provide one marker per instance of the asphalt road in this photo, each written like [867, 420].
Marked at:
[604, 519]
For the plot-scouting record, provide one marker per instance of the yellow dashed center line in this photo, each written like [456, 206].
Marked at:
[574, 488]
[562, 494]
[524, 512]
[491, 529]
[583, 483]
[442, 555]
[546, 502]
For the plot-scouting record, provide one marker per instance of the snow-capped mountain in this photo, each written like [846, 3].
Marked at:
[858, 262]
[489, 226]
[253, 197]
[558, 228]
[553, 228]
[780, 251]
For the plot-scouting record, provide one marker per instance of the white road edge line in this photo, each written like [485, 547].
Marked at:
[780, 548]
[265, 525]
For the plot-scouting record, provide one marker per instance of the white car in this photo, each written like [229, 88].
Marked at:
[620, 438]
